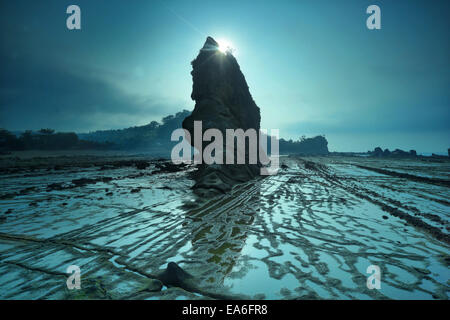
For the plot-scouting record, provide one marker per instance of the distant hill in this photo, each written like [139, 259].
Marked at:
[46, 139]
[305, 146]
[153, 137]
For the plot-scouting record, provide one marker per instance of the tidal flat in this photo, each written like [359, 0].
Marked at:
[309, 232]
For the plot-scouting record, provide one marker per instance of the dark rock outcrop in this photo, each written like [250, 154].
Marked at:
[176, 276]
[223, 101]
[377, 152]
[397, 153]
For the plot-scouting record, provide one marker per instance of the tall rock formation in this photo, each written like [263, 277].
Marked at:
[223, 101]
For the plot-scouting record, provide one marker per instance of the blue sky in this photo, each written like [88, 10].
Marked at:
[312, 66]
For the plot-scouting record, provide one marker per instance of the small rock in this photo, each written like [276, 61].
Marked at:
[154, 285]
[141, 165]
[55, 186]
[259, 296]
[174, 275]
[285, 292]
[82, 182]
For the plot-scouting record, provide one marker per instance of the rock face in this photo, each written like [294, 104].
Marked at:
[223, 101]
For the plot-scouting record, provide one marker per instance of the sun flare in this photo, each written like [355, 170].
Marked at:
[225, 46]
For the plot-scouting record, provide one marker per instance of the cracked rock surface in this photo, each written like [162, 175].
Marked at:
[309, 232]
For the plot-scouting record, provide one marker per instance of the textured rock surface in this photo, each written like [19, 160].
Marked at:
[308, 232]
[223, 101]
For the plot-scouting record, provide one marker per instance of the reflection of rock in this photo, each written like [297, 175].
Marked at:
[223, 101]
[219, 229]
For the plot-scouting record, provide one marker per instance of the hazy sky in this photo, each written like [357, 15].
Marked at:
[312, 66]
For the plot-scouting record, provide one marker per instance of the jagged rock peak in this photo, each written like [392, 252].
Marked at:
[210, 44]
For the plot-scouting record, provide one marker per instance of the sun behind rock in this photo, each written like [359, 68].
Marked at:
[226, 46]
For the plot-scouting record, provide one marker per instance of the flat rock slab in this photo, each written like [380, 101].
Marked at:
[309, 232]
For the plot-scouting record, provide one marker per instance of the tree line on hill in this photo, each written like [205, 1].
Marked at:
[152, 138]
[46, 139]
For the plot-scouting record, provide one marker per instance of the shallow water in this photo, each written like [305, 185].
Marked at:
[309, 232]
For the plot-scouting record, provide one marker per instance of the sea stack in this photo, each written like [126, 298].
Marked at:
[222, 101]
